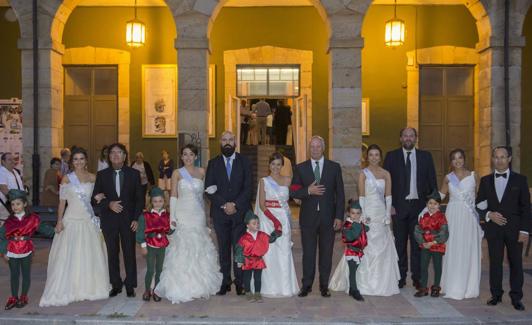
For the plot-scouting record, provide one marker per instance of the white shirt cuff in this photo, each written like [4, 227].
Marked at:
[524, 232]
[488, 216]
[143, 245]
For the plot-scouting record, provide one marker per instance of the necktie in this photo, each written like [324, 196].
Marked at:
[317, 172]
[117, 182]
[228, 168]
[497, 175]
[408, 167]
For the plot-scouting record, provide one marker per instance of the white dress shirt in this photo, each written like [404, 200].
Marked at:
[413, 195]
[12, 180]
[500, 186]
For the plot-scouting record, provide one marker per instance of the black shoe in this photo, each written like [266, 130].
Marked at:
[114, 292]
[240, 290]
[224, 289]
[304, 292]
[356, 295]
[518, 305]
[494, 300]
[325, 293]
[130, 293]
[401, 284]
[156, 298]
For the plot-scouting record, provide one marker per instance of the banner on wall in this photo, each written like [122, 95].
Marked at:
[11, 129]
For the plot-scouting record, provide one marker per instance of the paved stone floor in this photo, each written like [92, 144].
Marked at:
[232, 309]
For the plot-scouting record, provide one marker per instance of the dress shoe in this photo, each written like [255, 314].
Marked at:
[130, 293]
[11, 303]
[518, 305]
[304, 292]
[421, 292]
[435, 291]
[356, 295]
[325, 293]
[156, 298]
[115, 292]
[240, 291]
[494, 300]
[416, 284]
[224, 289]
[22, 301]
[147, 295]
[401, 284]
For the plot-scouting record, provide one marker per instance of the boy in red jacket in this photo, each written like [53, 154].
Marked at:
[431, 234]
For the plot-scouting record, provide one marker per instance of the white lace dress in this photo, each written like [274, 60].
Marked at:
[191, 268]
[461, 262]
[279, 278]
[77, 264]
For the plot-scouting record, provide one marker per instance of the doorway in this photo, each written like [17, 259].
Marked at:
[446, 113]
[91, 108]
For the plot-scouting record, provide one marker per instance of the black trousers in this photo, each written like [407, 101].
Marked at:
[280, 134]
[257, 275]
[244, 128]
[353, 266]
[228, 229]
[118, 235]
[313, 237]
[403, 230]
[496, 252]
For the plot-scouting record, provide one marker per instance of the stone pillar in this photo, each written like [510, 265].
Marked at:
[50, 126]
[193, 90]
[345, 96]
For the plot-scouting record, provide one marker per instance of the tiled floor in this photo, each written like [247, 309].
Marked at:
[402, 308]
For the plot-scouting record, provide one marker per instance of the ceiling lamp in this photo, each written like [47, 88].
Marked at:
[395, 30]
[135, 31]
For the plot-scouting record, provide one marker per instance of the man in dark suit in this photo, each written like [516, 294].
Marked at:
[230, 172]
[503, 201]
[119, 212]
[319, 185]
[282, 119]
[413, 179]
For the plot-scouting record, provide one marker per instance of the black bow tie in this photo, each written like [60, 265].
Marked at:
[497, 175]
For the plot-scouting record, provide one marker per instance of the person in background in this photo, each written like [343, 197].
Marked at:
[283, 118]
[253, 132]
[10, 178]
[146, 173]
[102, 160]
[269, 127]
[65, 158]
[50, 186]
[166, 168]
[262, 110]
[245, 116]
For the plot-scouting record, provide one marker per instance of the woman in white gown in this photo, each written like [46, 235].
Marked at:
[191, 268]
[77, 265]
[378, 272]
[279, 278]
[461, 262]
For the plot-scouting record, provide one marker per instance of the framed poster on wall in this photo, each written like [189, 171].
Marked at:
[159, 100]
[212, 100]
[365, 116]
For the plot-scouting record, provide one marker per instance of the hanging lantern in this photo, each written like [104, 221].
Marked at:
[394, 30]
[135, 31]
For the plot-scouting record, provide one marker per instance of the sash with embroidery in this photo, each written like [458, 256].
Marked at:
[277, 189]
[373, 180]
[468, 200]
[84, 198]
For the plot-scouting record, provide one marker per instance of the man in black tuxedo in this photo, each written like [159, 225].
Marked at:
[319, 185]
[119, 212]
[503, 201]
[282, 119]
[230, 172]
[413, 179]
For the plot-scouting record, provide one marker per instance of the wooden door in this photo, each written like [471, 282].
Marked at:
[91, 108]
[446, 113]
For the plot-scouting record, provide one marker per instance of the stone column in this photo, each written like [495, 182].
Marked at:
[345, 96]
[50, 126]
[193, 90]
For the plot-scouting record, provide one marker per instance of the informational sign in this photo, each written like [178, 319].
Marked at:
[11, 129]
